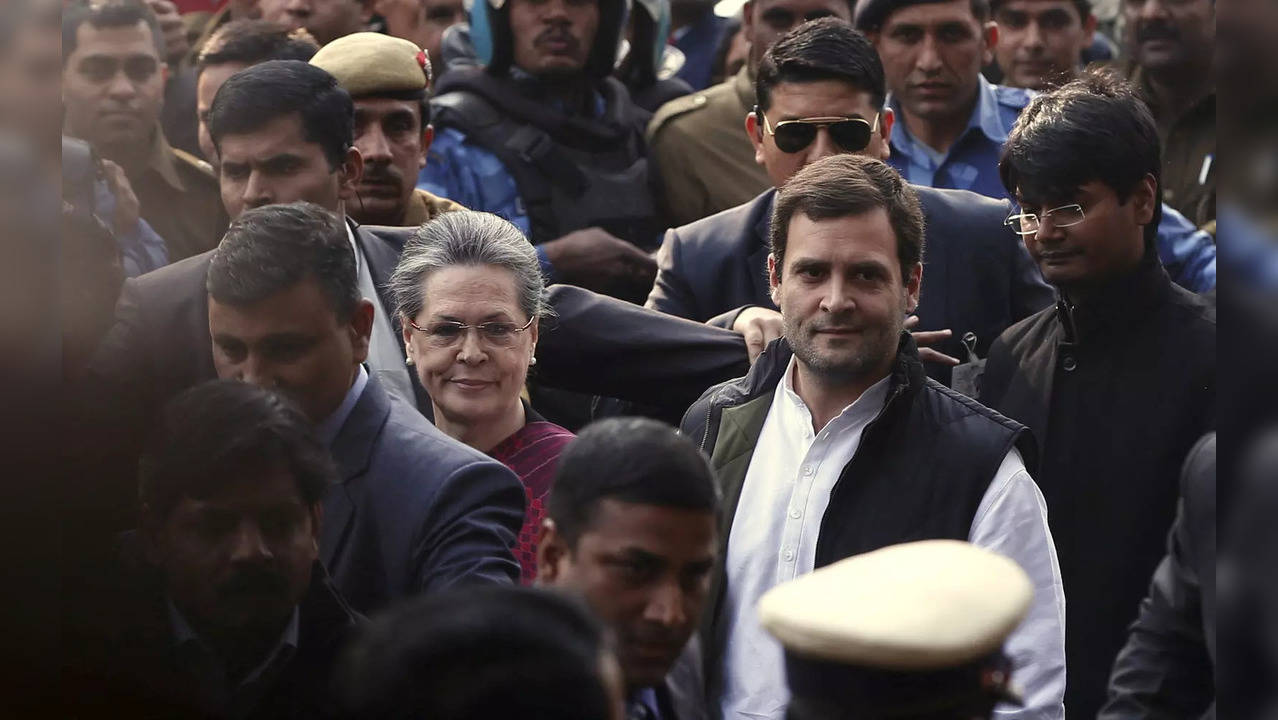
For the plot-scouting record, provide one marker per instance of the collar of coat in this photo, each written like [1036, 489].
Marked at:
[1121, 303]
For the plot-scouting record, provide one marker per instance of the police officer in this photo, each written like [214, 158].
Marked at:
[388, 78]
[543, 136]
[909, 631]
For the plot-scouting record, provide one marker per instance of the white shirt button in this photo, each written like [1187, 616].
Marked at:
[796, 513]
[807, 469]
[788, 555]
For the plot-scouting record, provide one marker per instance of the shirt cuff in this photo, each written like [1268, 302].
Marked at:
[547, 270]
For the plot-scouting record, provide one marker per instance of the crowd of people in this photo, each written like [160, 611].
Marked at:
[608, 359]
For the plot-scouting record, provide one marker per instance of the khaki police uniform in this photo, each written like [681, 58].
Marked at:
[699, 146]
[179, 197]
[1189, 154]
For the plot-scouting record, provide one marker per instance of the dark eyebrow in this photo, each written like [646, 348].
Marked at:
[639, 554]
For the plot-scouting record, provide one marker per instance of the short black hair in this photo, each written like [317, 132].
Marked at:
[478, 653]
[255, 96]
[249, 42]
[823, 49]
[1084, 7]
[633, 460]
[218, 431]
[272, 248]
[845, 185]
[870, 15]
[1094, 128]
[113, 14]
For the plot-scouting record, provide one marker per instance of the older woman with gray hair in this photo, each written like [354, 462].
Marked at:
[469, 294]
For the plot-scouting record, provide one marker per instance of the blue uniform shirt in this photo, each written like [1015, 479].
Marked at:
[971, 163]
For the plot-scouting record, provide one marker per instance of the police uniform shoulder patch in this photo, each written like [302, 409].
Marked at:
[187, 159]
[676, 108]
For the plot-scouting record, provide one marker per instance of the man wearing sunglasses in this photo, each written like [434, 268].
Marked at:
[113, 77]
[821, 93]
[1118, 380]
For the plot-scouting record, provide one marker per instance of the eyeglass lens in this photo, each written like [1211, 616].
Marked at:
[850, 135]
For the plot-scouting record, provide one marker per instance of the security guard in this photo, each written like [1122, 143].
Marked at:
[389, 80]
[909, 631]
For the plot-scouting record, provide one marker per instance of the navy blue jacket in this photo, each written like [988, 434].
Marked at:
[416, 511]
[977, 275]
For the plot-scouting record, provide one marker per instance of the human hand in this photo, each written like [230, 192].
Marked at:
[127, 207]
[597, 260]
[759, 326]
[926, 338]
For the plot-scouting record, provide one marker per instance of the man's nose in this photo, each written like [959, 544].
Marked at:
[823, 146]
[374, 146]
[1033, 35]
[120, 86]
[1153, 9]
[257, 191]
[250, 544]
[555, 11]
[666, 605]
[929, 59]
[298, 7]
[837, 298]
[255, 372]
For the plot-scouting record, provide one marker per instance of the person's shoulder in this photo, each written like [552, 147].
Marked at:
[1029, 333]
[437, 205]
[726, 227]
[960, 202]
[1013, 98]
[409, 440]
[688, 110]
[184, 277]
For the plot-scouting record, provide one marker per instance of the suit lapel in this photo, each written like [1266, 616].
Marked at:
[353, 451]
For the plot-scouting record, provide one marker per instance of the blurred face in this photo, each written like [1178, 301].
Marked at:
[553, 37]
[210, 81]
[1170, 34]
[239, 560]
[1108, 243]
[390, 138]
[293, 342]
[327, 20]
[823, 98]
[277, 164]
[764, 21]
[1040, 42]
[843, 299]
[471, 376]
[30, 97]
[645, 571]
[932, 55]
[113, 87]
[421, 21]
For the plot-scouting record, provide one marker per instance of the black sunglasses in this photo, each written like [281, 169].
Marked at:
[850, 133]
[138, 68]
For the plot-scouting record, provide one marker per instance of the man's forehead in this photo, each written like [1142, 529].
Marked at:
[377, 106]
[283, 135]
[804, 8]
[931, 13]
[115, 41]
[1037, 6]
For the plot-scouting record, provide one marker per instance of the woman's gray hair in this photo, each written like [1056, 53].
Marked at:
[465, 237]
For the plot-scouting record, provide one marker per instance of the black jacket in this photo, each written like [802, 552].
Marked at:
[1167, 667]
[977, 276]
[922, 467]
[1117, 391]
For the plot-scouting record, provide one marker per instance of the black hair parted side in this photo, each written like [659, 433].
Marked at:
[1095, 128]
[632, 460]
[215, 433]
[270, 249]
[249, 42]
[823, 49]
[255, 96]
[479, 653]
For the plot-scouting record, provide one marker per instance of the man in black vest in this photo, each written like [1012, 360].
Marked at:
[836, 443]
[1118, 380]
[545, 138]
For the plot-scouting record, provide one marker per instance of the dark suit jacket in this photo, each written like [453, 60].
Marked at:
[133, 668]
[977, 276]
[416, 511]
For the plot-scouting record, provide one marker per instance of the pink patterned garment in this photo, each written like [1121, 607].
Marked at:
[533, 454]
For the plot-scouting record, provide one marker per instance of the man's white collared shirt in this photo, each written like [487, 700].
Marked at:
[774, 538]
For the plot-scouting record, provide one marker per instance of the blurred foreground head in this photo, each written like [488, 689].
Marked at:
[483, 653]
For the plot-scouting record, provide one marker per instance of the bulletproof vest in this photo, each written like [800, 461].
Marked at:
[562, 188]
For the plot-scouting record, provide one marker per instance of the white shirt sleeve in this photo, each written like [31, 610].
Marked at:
[1012, 521]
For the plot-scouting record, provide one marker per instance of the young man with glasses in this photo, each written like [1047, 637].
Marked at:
[113, 76]
[1117, 381]
[821, 93]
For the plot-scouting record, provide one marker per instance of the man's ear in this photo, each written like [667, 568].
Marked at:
[349, 173]
[990, 32]
[361, 328]
[1144, 199]
[774, 280]
[747, 19]
[428, 137]
[887, 119]
[913, 284]
[754, 131]
[552, 551]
